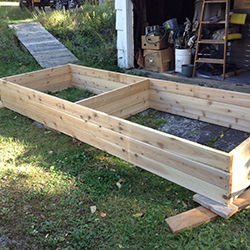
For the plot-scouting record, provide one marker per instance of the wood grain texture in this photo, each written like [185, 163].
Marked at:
[209, 111]
[195, 176]
[131, 109]
[205, 93]
[115, 95]
[215, 177]
[34, 79]
[96, 85]
[104, 75]
[240, 168]
[176, 145]
[215, 174]
[190, 219]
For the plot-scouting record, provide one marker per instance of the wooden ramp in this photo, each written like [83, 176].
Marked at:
[44, 47]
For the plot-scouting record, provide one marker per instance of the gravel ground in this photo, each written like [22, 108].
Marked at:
[203, 133]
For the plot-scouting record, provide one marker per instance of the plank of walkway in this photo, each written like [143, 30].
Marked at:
[200, 215]
[44, 47]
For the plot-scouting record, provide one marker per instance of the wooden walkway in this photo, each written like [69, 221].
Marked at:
[44, 47]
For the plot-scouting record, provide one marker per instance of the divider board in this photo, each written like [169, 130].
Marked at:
[164, 141]
[115, 95]
[130, 101]
[122, 102]
[205, 93]
[133, 109]
[148, 157]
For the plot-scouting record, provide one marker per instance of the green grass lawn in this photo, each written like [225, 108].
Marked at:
[57, 193]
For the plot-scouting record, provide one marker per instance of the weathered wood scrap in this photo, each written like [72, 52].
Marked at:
[223, 211]
[200, 215]
[191, 219]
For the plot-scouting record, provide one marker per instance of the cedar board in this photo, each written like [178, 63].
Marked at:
[99, 121]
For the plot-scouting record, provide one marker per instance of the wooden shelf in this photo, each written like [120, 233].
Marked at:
[216, 1]
[219, 22]
[210, 60]
[211, 41]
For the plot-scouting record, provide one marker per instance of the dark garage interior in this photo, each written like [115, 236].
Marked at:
[150, 13]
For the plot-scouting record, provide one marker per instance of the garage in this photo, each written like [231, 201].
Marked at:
[134, 16]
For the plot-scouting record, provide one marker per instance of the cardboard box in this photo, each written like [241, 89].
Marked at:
[159, 60]
[241, 4]
[152, 39]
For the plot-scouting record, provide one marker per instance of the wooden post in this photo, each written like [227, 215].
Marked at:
[32, 5]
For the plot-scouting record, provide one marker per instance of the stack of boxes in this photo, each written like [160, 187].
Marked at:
[241, 4]
[158, 56]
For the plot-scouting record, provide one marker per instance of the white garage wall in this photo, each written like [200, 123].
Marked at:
[125, 33]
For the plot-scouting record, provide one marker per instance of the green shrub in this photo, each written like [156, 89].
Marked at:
[88, 32]
[13, 59]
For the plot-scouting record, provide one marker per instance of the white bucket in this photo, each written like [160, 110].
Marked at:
[182, 56]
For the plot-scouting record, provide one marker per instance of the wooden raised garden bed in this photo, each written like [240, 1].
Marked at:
[99, 121]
